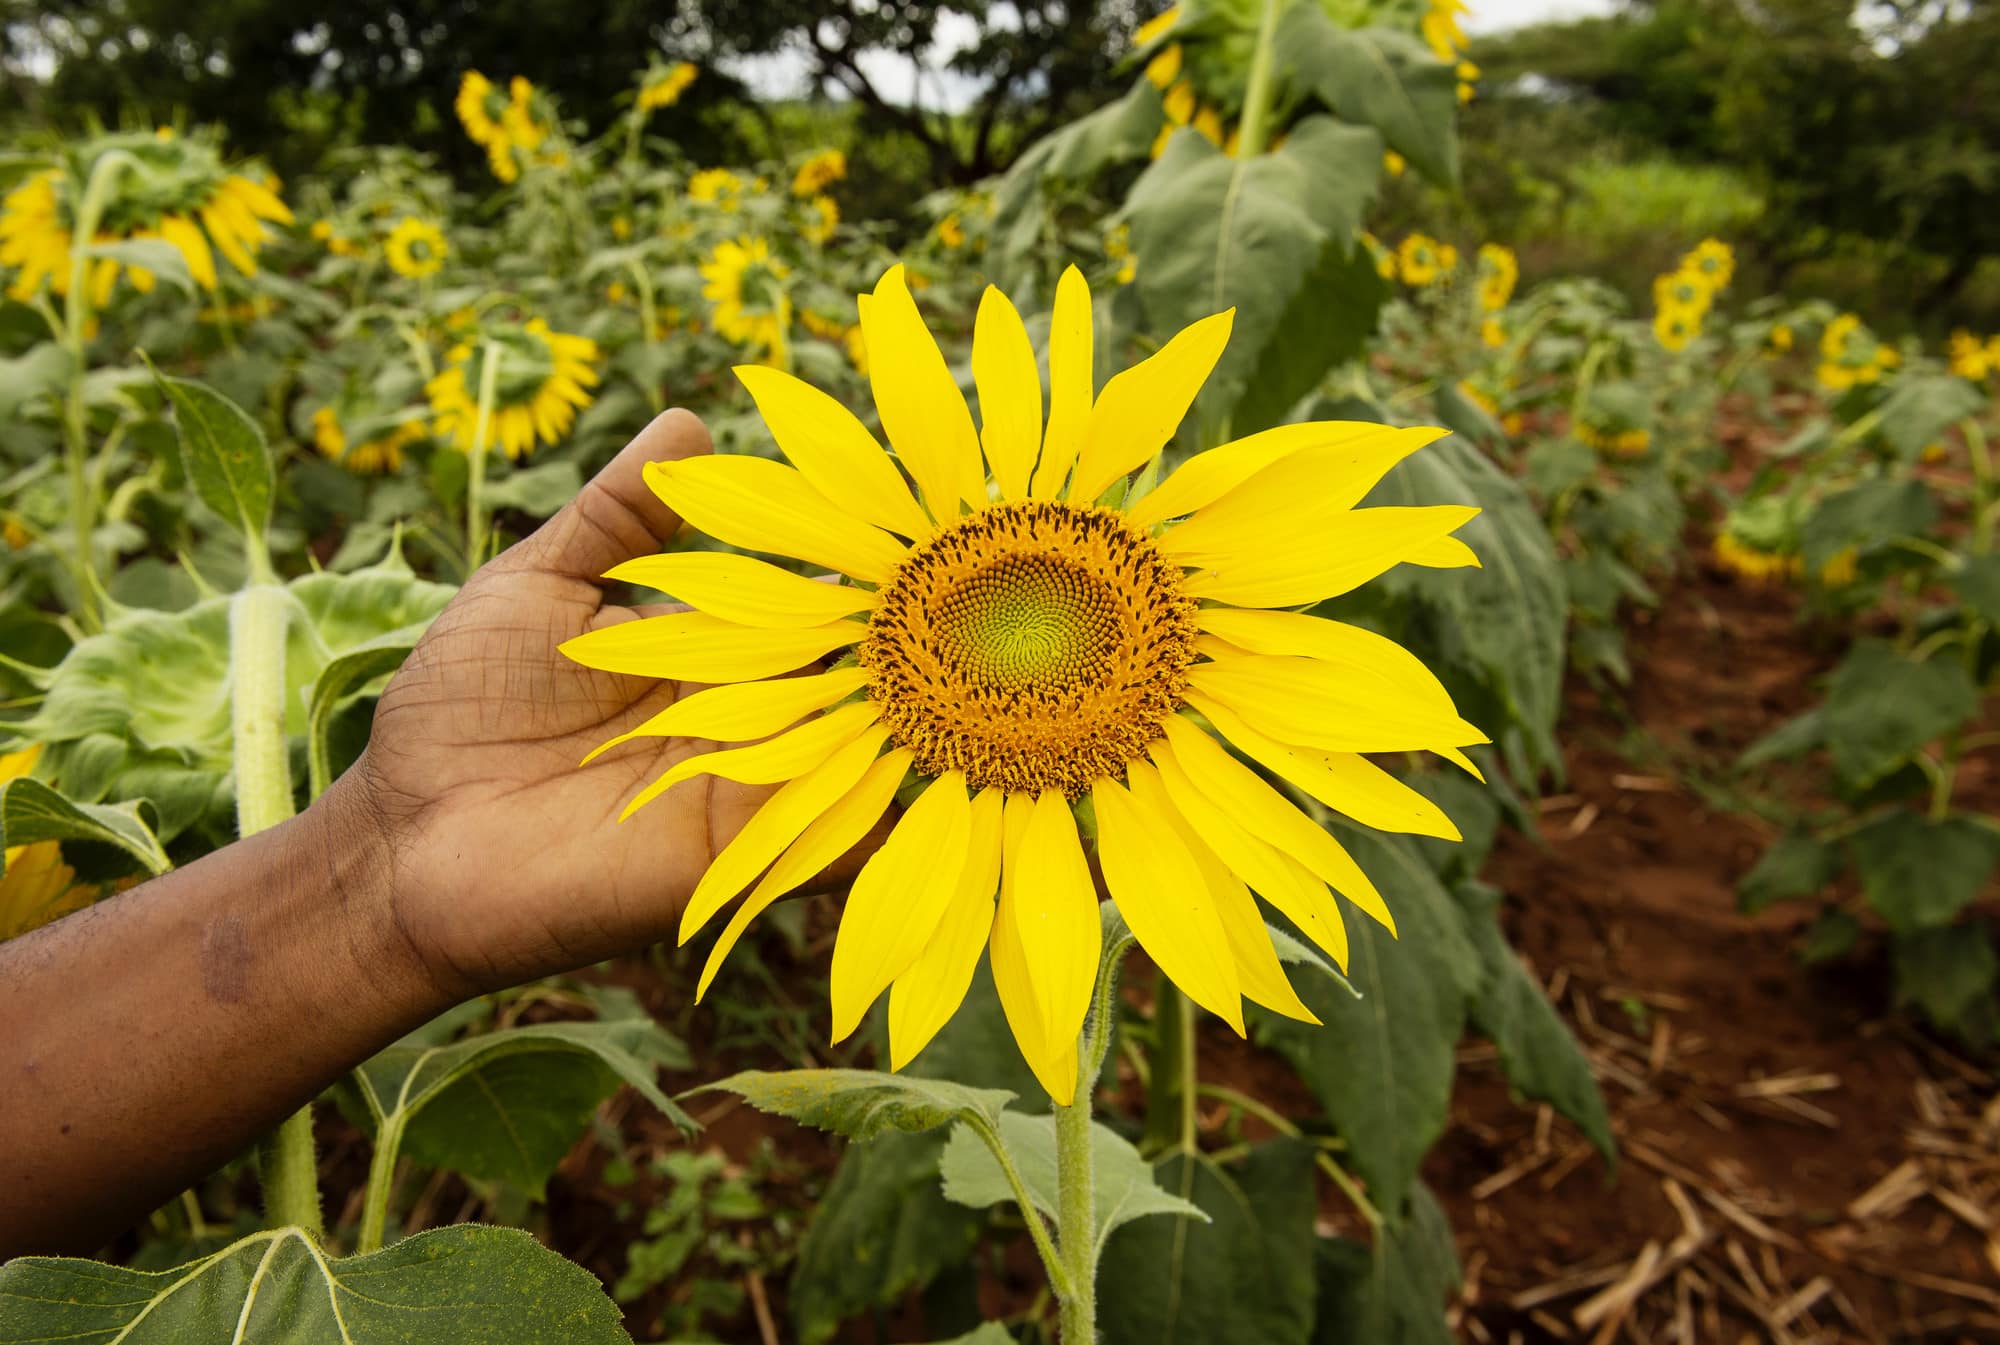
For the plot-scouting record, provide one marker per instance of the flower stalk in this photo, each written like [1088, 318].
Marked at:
[475, 479]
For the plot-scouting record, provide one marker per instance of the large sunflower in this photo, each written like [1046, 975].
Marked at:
[1039, 641]
[176, 190]
[543, 378]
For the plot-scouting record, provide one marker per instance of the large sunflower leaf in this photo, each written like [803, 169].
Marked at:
[1115, 133]
[469, 1283]
[31, 811]
[1243, 1274]
[1214, 232]
[1381, 78]
[224, 454]
[1882, 707]
[1395, 1292]
[508, 1105]
[863, 1103]
[1123, 1187]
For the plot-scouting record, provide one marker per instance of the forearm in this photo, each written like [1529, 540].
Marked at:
[149, 1039]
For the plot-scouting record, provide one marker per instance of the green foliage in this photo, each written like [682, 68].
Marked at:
[1883, 706]
[1124, 1188]
[224, 456]
[1390, 1294]
[862, 1103]
[1919, 873]
[1797, 865]
[697, 1218]
[464, 1283]
[31, 811]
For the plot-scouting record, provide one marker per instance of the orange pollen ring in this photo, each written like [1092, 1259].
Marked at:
[1033, 645]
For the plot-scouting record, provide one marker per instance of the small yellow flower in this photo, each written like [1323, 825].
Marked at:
[1118, 249]
[1468, 81]
[1780, 338]
[1492, 334]
[415, 248]
[1713, 260]
[1393, 163]
[621, 228]
[951, 232]
[822, 219]
[1675, 327]
[819, 172]
[746, 285]
[543, 379]
[1421, 259]
[664, 86]
[1498, 274]
[1968, 356]
[1686, 290]
[717, 187]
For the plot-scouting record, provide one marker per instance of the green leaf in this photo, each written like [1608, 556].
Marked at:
[1327, 323]
[26, 377]
[1950, 974]
[1919, 874]
[223, 453]
[1381, 78]
[1978, 585]
[509, 1105]
[1865, 517]
[31, 811]
[1396, 1292]
[1882, 707]
[1212, 232]
[1791, 739]
[1115, 133]
[1242, 1274]
[344, 678]
[863, 1103]
[468, 1283]
[1921, 407]
[1832, 935]
[1797, 865]
[1123, 1185]
[536, 491]
[1503, 624]
[155, 255]
[882, 1230]
[1299, 953]
[1382, 1065]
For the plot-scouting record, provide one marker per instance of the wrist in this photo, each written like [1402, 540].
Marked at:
[362, 847]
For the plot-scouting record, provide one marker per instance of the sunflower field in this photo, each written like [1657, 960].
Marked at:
[1411, 793]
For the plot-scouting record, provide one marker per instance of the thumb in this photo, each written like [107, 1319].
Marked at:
[616, 516]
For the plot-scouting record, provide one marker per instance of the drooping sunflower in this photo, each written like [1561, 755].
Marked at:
[717, 187]
[664, 85]
[178, 190]
[822, 219]
[415, 248]
[36, 886]
[543, 378]
[1027, 637]
[1498, 274]
[380, 452]
[747, 286]
[819, 172]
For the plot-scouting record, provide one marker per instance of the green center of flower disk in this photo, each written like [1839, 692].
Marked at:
[1033, 645]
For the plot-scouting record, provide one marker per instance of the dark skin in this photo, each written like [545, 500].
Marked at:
[149, 1039]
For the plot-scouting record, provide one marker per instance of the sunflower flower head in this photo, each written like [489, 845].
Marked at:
[174, 189]
[35, 885]
[1970, 357]
[415, 248]
[819, 172]
[1024, 634]
[1499, 272]
[822, 219]
[377, 447]
[542, 378]
[1714, 261]
[1685, 289]
[750, 291]
[1422, 261]
[717, 187]
[664, 84]
[1675, 328]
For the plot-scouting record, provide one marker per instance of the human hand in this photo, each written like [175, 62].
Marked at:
[506, 860]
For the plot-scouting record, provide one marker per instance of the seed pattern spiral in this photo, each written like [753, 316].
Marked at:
[1033, 645]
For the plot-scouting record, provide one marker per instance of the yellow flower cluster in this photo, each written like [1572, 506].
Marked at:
[1761, 566]
[1421, 260]
[1166, 71]
[1683, 296]
[542, 379]
[1851, 356]
[1499, 272]
[190, 202]
[1628, 443]
[1972, 358]
[384, 453]
[510, 128]
[1118, 251]
[664, 86]
[819, 172]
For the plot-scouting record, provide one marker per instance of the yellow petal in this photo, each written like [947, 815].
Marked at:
[767, 506]
[1207, 477]
[744, 590]
[1300, 494]
[1344, 781]
[745, 710]
[1446, 553]
[1342, 552]
[1263, 812]
[1305, 703]
[1276, 876]
[1055, 914]
[1072, 383]
[773, 827]
[899, 898]
[834, 451]
[1010, 393]
[829, 836]
[924, 998]
[697, 647]
[1258, 971]
[1055, 1067]
[1353, 651]
[923, 412]
[1164, 899]
[785, 757]
[1140, 409]
[188, 240]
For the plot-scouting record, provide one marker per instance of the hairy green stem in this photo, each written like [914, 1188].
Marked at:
[381, 1185]
[258, 617]
[1076, 1225]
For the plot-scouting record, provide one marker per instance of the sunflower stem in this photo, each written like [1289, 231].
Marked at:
[258, 617]
[475, 477]
[1254, 130]
[1076, 1231]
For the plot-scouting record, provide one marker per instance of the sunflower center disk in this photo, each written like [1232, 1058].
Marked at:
[1033, 646]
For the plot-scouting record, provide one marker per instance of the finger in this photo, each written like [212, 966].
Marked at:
[616, 516]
